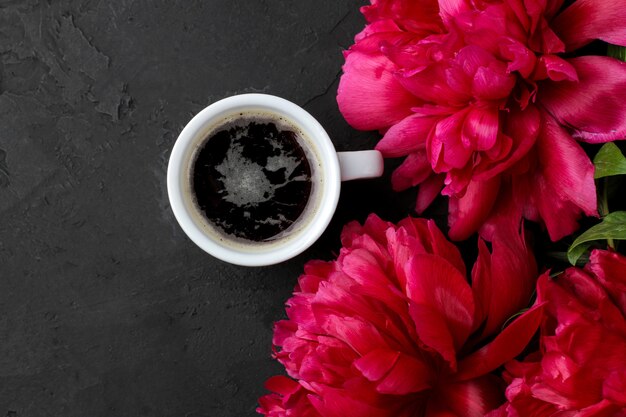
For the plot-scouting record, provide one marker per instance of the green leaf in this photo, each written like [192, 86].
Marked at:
[612, 226]
[575, 252]
[618, 52]
[609, 161]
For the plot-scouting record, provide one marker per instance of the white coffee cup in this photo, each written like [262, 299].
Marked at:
[335, 167]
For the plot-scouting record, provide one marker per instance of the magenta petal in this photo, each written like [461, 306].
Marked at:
[411, 172]
[523, 127]
[474, 398]
[334, 402]
[482, 285]
[559, 214]
[500, 411]
[586, 20]
[428, 191]
[610, 269]
[566, 167]
[615, 388]
[369, 39]
[595, 106]
[555, 68]
[507, 345]
[420, 17]
[433, 331]
[450, 8]
[513, 276]
[369, 96]
[377, 363]
[434, 282]
[445, 146]
[492, 84]
[407, 136]
[408, 375]
[521, 58]
[467, 213]
[480, 129]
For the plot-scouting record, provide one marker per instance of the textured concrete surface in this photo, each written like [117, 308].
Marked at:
[106, 308]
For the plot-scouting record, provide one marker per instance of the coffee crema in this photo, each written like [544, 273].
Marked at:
[251, 177]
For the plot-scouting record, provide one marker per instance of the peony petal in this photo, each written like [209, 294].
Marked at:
[586, 20]
[383, 25]
[445, 146]
[429, 189]
[506, 214]
[434, 282]
[559, 215]
[513, 274]
[543, 38]
[443, 247]
[369, 96]
[420, 17]
[283, 329]
[281, 385]
[408, 375]
[377, 363]
[610, 269]
[374, 226]
[450, 8]
[413, 170]
[501, 411]
[566, 167]
[407, 136]
[507, 345]
[487, 23]
[474, 398]
[523, 127]
[595, 106]
[467, 213]
[521, 59]
[372, 37]
[602, 409]
[480, 128]
[359, 335]
[332, 402]
[482, 285]
[433, 331]
[492, 84]
[523, 404]
[437, 409]
[432, 241]
[614, 388]
[555, 68]
[289, 398]
[433, 84]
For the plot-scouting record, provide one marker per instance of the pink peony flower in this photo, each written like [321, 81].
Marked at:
[289, 399]
[487, 100]
[393, 328]
[581, 368]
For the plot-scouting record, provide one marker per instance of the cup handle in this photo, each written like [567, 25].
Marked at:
[360, 164]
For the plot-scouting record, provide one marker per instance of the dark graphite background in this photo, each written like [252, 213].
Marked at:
[106, 308]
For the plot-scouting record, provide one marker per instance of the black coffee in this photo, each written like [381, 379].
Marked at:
[251, 178]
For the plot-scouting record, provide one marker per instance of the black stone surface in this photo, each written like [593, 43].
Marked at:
[106, 308]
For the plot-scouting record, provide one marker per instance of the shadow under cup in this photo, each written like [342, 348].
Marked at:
[325, 180]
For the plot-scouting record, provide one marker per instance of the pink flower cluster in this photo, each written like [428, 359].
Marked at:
[487, 100]
[581, 367]
[393, 327]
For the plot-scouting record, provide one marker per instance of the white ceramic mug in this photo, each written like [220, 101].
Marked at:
[335, 167]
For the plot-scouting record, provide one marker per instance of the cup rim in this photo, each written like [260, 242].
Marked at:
[282, 251]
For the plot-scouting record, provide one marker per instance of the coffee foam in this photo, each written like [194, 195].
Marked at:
[253, 178]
